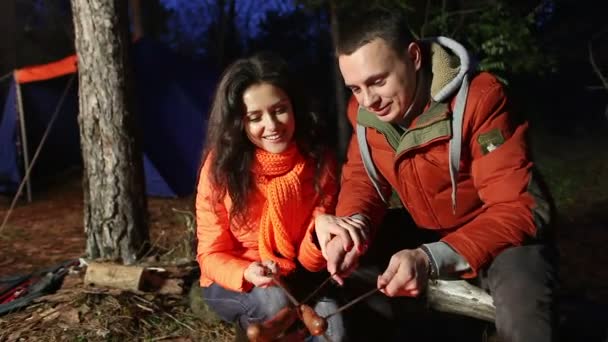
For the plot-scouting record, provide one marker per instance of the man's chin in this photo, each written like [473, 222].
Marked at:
[391, 117]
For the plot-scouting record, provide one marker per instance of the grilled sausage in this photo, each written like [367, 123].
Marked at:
[315, 324]
[272, 328]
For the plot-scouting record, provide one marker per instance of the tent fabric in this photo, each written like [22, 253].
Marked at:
[173, 95]
[9, 170]
[61, 149]
[64, 66]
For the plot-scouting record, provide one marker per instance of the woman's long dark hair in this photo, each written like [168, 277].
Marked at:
[232, 152]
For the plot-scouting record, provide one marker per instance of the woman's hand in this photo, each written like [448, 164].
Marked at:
[260, 273]
[352, 230]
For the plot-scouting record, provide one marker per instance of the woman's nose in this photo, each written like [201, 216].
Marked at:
[271, 122]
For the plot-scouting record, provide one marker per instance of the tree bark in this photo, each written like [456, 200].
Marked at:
[115, 207]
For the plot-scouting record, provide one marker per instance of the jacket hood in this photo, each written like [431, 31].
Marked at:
[450, 62]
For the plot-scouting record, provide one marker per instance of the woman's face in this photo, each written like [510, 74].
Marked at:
[269, 119]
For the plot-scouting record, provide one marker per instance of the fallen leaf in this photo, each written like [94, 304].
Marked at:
[84, 309]
[47, 312]
[52, 316]
[14, 336]
[102, 332]
[64, 326]
[70, 316]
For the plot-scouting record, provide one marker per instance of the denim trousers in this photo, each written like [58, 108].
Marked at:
[522, 281]
[261, 304]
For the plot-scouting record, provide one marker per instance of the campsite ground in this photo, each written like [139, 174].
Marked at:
[49, 230]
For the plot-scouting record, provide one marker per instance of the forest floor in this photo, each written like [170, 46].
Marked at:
[49, 230]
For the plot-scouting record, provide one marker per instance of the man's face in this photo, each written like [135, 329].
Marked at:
[382, 80]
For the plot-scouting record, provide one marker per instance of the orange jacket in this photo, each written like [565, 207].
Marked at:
[497, 202]
[225, 250]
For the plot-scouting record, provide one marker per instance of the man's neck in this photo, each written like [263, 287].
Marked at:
[421, 99]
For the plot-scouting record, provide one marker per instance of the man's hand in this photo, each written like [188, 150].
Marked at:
[260, 274]
[340, 263]
[353, 232]
[406, 274]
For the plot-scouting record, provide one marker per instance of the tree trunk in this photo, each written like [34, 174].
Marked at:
[342, 121]
[115, 208]
[137, 25]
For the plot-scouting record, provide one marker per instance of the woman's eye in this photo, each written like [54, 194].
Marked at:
[280, 110]
[254, 118]
[379, 82]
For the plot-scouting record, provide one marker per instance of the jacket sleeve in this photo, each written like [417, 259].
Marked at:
[357, 193]
[309, 254]
[502, 174]
[215, 240]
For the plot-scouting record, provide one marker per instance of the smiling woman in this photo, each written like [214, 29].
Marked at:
[266, 176]
[269, 121]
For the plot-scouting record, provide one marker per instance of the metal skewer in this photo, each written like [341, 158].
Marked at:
[310, 296]
[353, 302]
[280, 284]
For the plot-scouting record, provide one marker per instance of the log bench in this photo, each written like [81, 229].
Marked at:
[462, 298]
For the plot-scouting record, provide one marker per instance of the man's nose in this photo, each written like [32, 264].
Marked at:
[370, 99]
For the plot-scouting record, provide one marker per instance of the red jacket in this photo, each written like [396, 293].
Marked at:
[496, 202]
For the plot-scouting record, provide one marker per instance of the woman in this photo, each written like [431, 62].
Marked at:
[266, 175]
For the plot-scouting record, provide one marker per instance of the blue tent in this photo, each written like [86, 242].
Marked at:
[173, 96]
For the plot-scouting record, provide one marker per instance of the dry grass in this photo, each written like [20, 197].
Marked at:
[78, 313]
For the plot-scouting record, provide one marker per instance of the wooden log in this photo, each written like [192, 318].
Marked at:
[462, 298]
[114, 276]
[133, 278]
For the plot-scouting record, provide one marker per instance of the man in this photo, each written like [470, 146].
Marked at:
[443, 139]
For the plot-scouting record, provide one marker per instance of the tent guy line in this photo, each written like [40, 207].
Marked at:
[38, 149]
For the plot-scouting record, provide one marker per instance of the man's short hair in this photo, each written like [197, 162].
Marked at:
[359, 26]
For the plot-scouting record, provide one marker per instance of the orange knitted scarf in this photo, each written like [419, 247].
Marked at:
[285, 214]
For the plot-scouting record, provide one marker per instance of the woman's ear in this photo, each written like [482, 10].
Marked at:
[415, 54]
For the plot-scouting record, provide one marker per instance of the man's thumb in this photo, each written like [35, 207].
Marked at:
[389, 273]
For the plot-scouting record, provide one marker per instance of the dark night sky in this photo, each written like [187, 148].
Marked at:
[250, 12]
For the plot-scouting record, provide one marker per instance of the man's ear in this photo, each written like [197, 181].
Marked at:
[415, 55]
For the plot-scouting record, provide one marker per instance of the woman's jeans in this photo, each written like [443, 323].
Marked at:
[261, 304]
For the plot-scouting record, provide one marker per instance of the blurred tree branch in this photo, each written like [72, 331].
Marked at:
[593, 62]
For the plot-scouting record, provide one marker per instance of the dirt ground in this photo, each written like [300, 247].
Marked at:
[50, 229]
